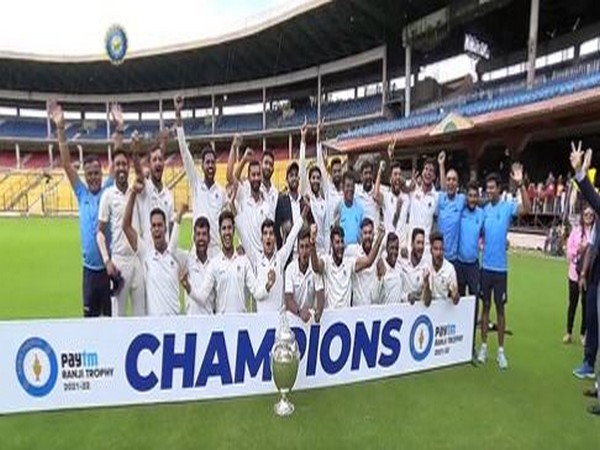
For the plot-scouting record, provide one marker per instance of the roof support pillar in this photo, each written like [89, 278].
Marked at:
[18, 155]
[212, 102]
[532, 43]
[384, 80]
[161, 123]
[264, 111]
[407, 77]
[319, 95]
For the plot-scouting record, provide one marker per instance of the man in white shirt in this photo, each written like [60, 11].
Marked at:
[230, 275]
[332, 185]
[423, 202]
[416, 266]
[392, 286]
[364, 283]
[122, 265]
[442, 275]
[162, 264]
[197, 267]
[365, 194]
[208, 198]
[337, 268]
[300, 282]
[273, 260]
[268, 189]
[394, 202]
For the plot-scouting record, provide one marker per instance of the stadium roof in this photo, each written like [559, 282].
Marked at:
[323, 33]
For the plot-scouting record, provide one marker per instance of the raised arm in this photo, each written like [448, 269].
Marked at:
[302, 157]
[288, 246]
[130, 233]
[315, 261]
[57, 116]
[116, 115]
[235, 145]
[442, 166]
[581, 164]
[184, 151]
[135, 155]
[246, 158]
[174, 239]
[517, 176]
[364, 262]
[377, 195]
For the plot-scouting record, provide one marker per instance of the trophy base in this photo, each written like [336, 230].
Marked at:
[283, 407]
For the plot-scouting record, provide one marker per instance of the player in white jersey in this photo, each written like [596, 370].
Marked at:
[274, 261]
[197, 267]
[300, 283]
[395, 202]
[416, 266]
[442, 283]
[162, 262]
[337, 268]
[208, 198]
[229, 275]
[364, 283]
[423, 202]
[310, 185]
[122, 264]
[269, 191]
[392, 285]
[331, 184]
[365, 193]
[252, 209]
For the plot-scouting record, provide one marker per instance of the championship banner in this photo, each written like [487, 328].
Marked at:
[79, 363]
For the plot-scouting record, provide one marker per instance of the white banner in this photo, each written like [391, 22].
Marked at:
[57, 364]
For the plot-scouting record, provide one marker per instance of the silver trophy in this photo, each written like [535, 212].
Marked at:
[285, 358]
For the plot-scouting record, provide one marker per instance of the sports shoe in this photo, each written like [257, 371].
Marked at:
[584, 371]
[501, 360]
[482, 357]
[567, 339]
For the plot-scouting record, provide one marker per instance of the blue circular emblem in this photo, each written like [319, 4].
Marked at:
[37, 367]
[115, 43]
[417, 350]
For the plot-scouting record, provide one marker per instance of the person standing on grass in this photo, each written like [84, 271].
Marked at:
[578, 240]
[581, 165]
[96, 283]
[208, 198]
[498, 215]
[162, 261]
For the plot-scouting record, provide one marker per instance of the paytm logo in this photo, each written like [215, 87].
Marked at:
[334, 350]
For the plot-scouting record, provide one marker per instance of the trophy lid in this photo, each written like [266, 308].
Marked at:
[284, 333]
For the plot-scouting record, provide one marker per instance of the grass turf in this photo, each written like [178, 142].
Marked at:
[537, 403]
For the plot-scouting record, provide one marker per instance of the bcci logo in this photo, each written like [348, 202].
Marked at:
[37, 367]
[421, 338]
[115, 43]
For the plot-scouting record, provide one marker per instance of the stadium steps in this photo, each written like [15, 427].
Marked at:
[14, 197]
[37, 195]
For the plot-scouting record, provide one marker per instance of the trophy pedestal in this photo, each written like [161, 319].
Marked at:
[283, 407]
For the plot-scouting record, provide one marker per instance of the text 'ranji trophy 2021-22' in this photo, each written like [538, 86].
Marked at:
[285, 358]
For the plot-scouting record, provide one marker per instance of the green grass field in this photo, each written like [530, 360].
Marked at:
[536, 404]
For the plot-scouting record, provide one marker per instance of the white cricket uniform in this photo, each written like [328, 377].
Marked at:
[338, 280]
[250, 216]
[149, 199]
[228, 278]
[393, 287]
[162, 278]
[364, 283]
[415, 273]
[271, 195]
[333, 197]
[197, 272]
[318, 208]
[206, 201]
[274, 298]
[111, 210]
[369, 205]
[442, 281]
[423, 206]
[390, 205]
[301, 285]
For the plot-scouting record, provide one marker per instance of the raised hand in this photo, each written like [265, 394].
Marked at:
[390, 149]
[178, 103]
[442, 158]
[238, 140]
[136, 141]
[320, 126]
[138, 186]
[55, 113]
[382, 166]
[580, 161]
[304, 129]
[248, 154]
[116, 115]
[183, 208]
[516, 173]
[313, 233]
